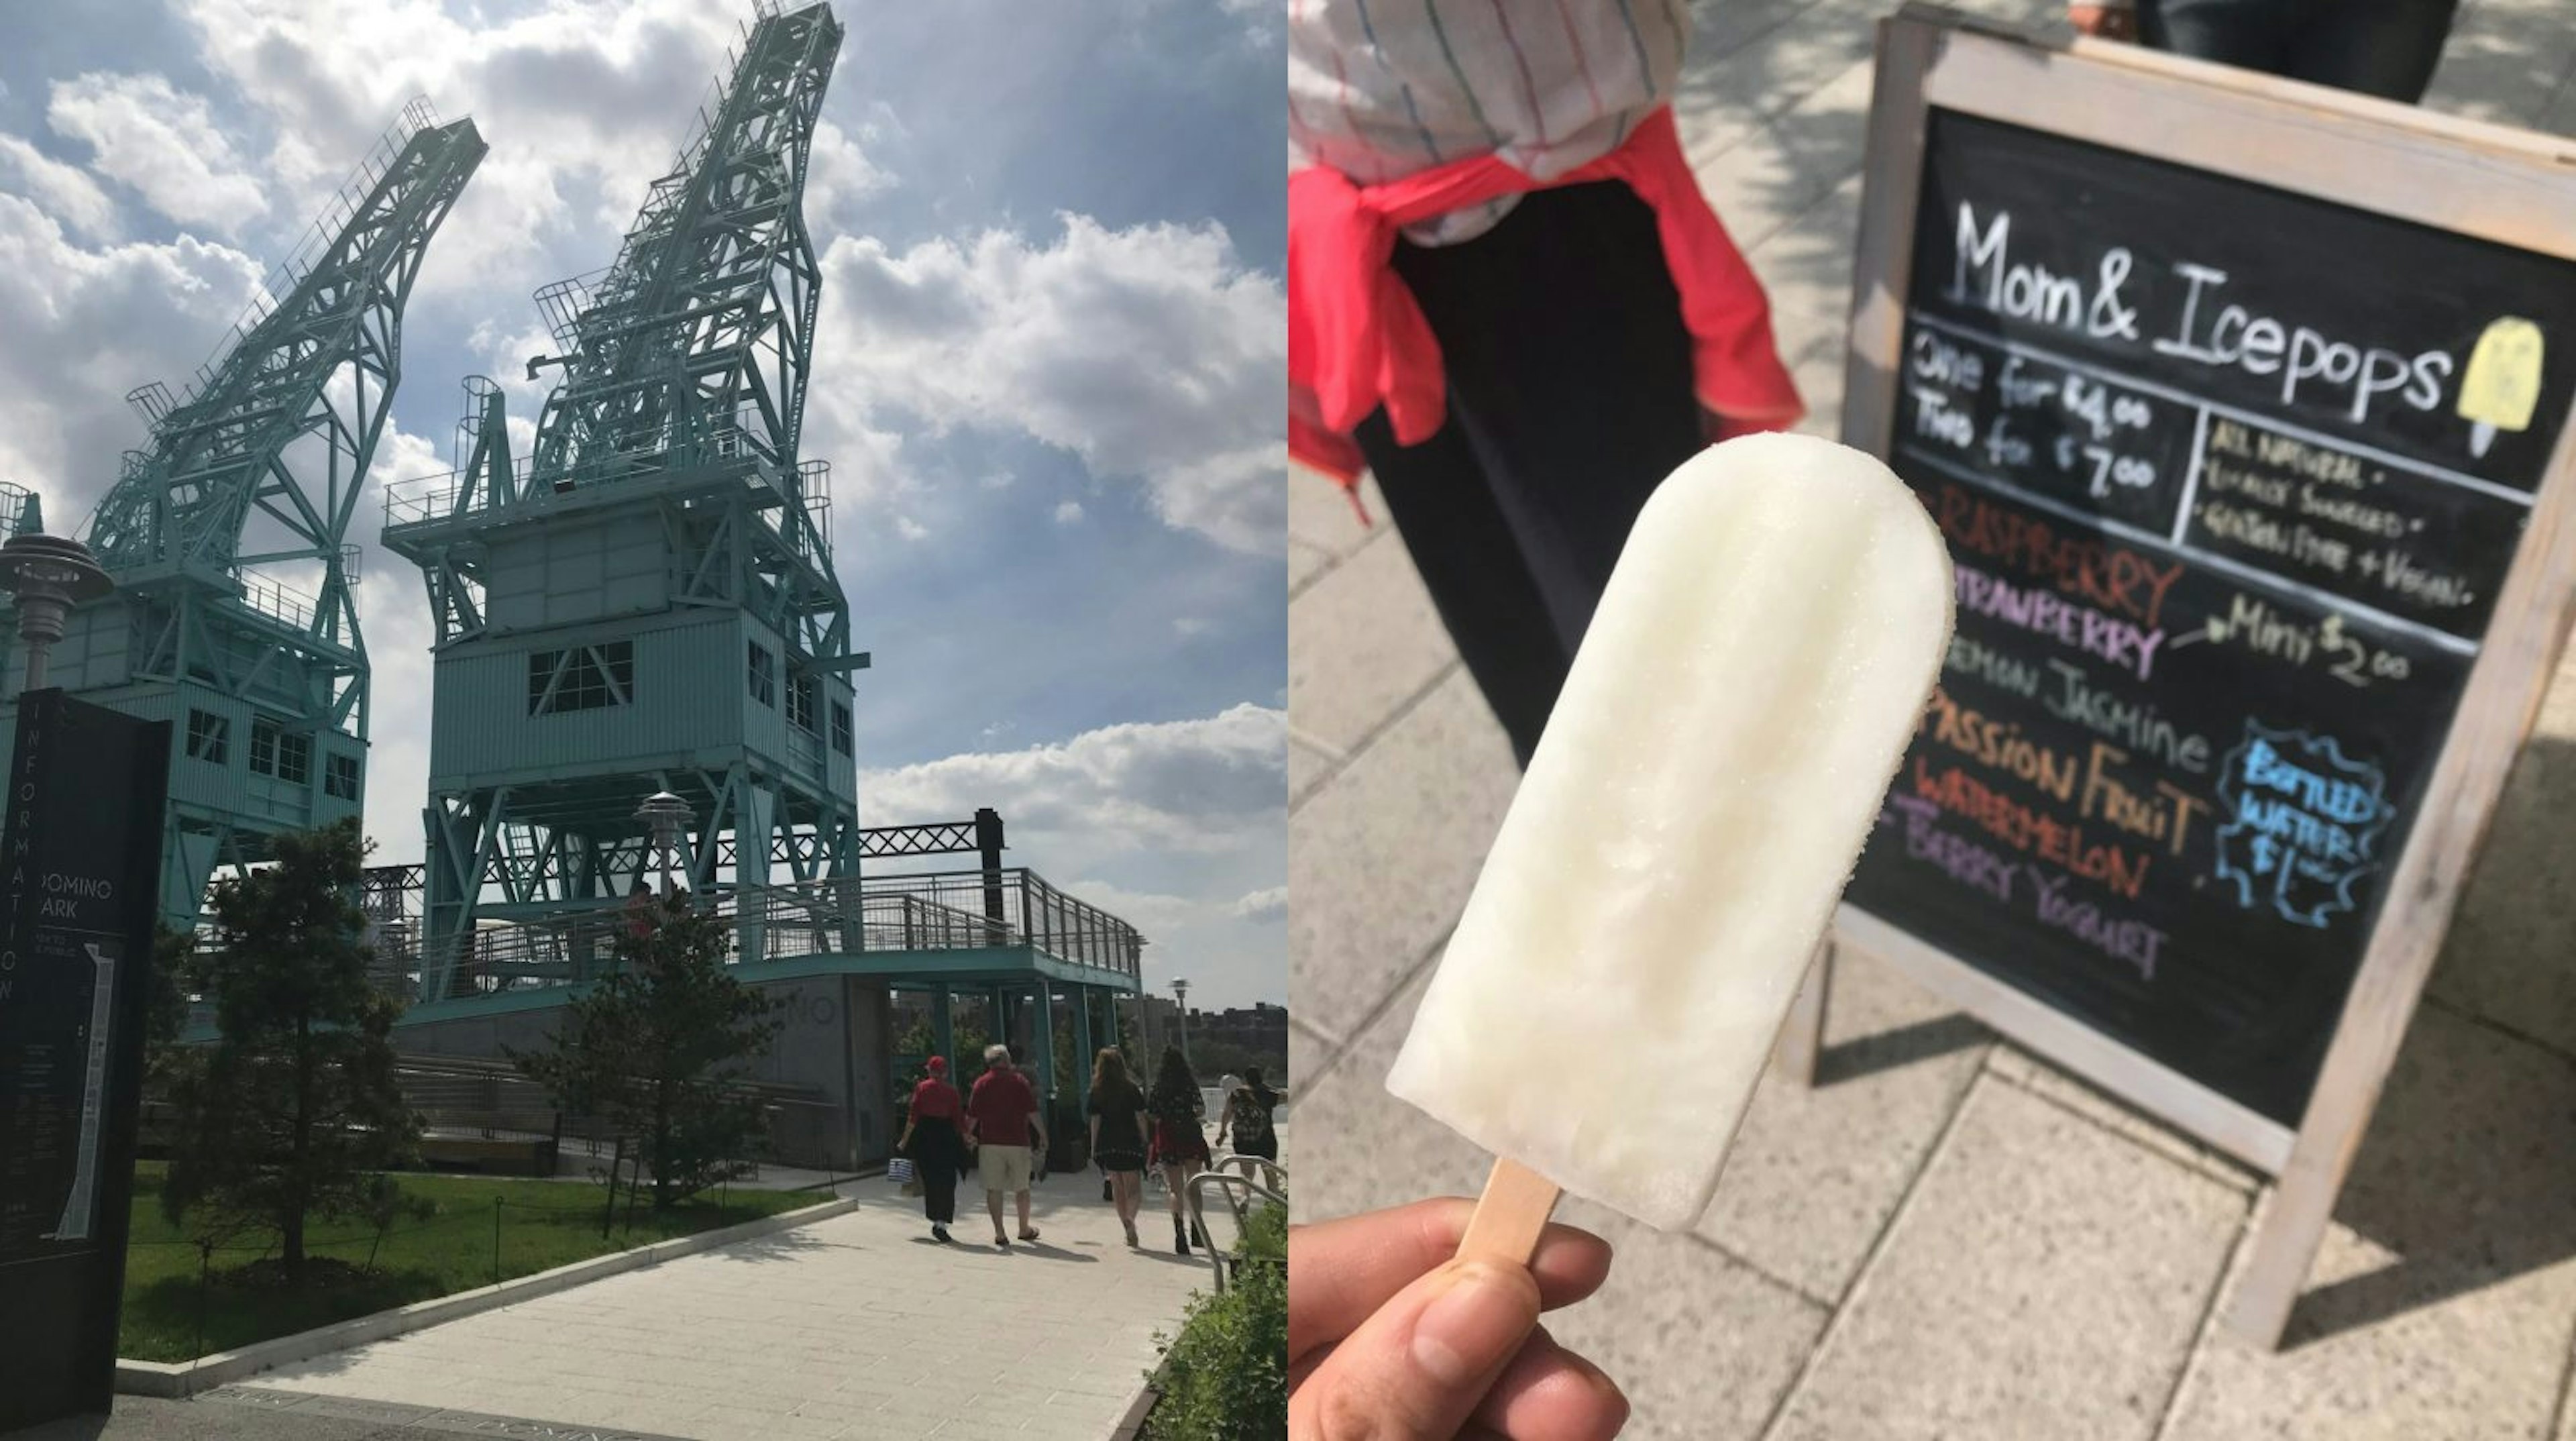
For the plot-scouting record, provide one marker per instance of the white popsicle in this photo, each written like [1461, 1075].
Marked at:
[1746, 689]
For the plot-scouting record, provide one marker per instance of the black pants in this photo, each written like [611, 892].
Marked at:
[1570, 399]
[2387, 48]
[937, 1154]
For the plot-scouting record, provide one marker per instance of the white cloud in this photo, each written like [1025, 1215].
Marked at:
[1152, 353]
[1214, 784]
[1155, 914]
[162, 143]
[65, 192]
[85, 326]
[1068, 512]
[1261, 905]
[584, 103]
[838, 175]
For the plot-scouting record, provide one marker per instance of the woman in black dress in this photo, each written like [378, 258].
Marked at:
[1248, 1116]
[930, 1140]
[1180, 1146]
[1118, 1134]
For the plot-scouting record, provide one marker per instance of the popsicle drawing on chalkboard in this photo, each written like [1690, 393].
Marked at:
[2501, 386]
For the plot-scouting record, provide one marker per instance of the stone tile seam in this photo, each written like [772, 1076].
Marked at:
[1377, 1012]
[2200, 1166]
[2566, 1385]
[1790, 17]
[2480, 1019]
[1332, 561]
[1334, 768]
[1878, 1243]
[1743, 1262]
[1335, 557]
[2204, 1334]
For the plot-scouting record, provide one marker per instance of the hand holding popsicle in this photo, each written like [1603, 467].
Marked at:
[1390, 1337]
[1709, 774]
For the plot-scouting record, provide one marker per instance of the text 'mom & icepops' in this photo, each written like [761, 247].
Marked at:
[1757, 665]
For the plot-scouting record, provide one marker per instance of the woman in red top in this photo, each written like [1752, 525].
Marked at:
[931, 1141]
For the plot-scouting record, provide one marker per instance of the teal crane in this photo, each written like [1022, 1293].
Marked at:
[227, 532]
[646, 601]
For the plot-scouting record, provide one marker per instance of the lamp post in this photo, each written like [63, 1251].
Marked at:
[1181, 1013]
[46, 575]
[668, 816]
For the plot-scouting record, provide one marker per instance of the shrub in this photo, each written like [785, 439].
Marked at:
[1224, 1377]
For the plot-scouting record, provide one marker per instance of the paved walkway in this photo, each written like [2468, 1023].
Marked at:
[1948, 1238]
[858, 1327]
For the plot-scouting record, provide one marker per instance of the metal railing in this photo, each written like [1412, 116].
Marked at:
[1239, 1190]
[676, 445]
[317, 239]
[942, 911]
[277, 600]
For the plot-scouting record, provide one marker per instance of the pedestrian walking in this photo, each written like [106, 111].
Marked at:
[1046, 1103]
[1002, 1124]
[1509, 301]
[1180, 1148]
[2387, 48]
[931, 1142]
[1248, 1114]
[1118, 1136]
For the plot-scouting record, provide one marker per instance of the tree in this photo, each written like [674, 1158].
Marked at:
[294, 1112]
[166, 1009]
[660, 1046]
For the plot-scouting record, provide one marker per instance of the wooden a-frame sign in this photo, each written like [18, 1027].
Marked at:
[2363, 182]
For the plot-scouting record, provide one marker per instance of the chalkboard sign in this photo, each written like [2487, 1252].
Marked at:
[80, 862]
[2243, 406]
[2226, 544]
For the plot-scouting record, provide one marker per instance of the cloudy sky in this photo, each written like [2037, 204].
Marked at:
[1047, 368]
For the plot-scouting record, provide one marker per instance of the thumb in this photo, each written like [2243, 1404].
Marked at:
[1415, 1370]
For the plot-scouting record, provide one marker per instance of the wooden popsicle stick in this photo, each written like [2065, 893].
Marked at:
[1510, 1215]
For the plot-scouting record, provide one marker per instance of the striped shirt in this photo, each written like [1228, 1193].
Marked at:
[1381, 89]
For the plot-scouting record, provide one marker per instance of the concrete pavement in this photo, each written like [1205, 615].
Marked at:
[859, 1328]
[1948, 1238]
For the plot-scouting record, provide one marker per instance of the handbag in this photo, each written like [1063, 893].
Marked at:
[900, 1171]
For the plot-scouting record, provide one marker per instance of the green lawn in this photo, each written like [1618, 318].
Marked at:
[544, 1224]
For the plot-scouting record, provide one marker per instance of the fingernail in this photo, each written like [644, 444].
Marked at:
[1470, 1328]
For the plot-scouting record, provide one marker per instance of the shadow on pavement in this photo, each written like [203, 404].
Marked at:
[1860, 1056]
[2468, 1172]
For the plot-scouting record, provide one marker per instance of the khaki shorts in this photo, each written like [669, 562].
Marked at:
[1004, 1168]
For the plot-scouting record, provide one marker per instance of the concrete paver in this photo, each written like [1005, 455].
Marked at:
[1816, 1172]
[1308, 763]
[1703, 1344]
[2045, 1280]
[1385, 644]
[854, 1327]
[1358, 1148]
[2444, 1302]
[1381, 859]
[2046, 1081]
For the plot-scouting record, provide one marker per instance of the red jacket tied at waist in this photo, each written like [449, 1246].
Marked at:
[1358, 341]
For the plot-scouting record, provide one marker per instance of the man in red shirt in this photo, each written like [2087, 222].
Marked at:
[1002, 1123]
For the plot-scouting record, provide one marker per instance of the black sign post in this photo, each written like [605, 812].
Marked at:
[80, 862]
[2244, 407]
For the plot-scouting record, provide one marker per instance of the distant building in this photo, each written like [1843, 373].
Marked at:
[1262, 1028]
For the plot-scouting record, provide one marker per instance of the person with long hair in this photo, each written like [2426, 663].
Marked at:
[1180, 1146]
[930, 1141]
[1118, 1138]
[1247, 1114]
